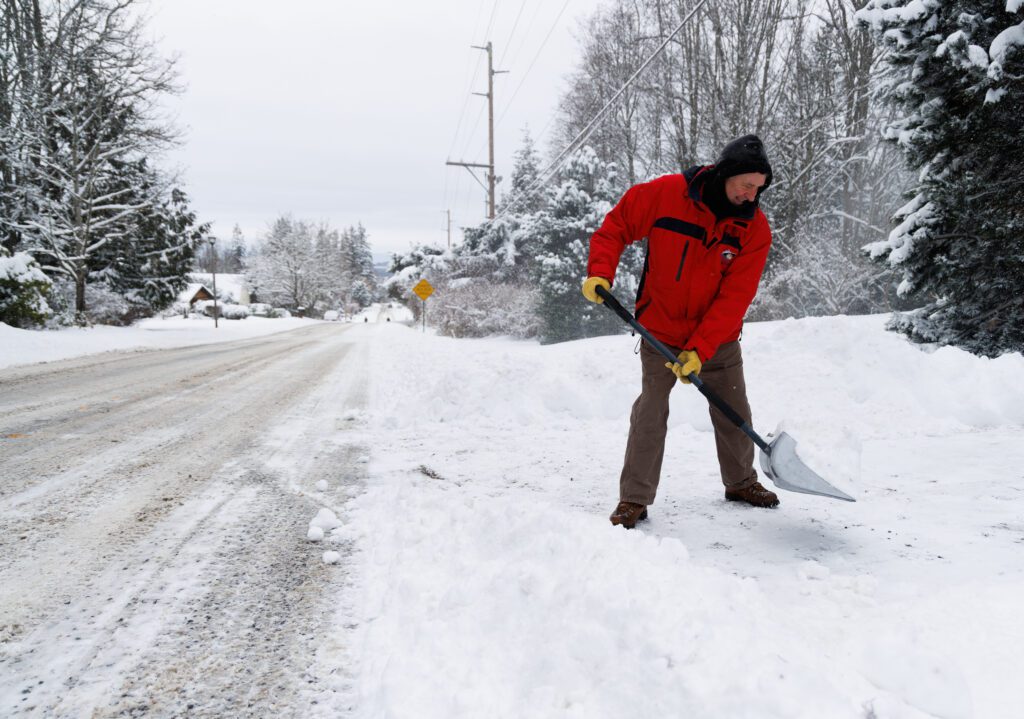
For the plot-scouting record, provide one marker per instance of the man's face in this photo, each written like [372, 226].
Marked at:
[744, 188]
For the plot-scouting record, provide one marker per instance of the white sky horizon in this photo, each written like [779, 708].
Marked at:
[346, 113]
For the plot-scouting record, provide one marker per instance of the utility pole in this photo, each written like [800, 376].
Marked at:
[449, 213]
[491, 177]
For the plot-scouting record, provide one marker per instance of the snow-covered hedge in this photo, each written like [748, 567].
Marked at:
[474, 307]
[108, 307]
[23, 288]
[225, 311]
[234, 312]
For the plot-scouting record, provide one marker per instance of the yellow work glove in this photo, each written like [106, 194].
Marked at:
[590, 286]
[688, 362]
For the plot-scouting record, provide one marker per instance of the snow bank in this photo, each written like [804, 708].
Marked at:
[846, 368]
[29, 346]
[487, 580]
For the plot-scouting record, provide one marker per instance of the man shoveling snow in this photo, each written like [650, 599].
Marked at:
[708, 241]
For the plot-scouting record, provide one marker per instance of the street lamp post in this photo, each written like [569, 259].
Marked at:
[213, 266]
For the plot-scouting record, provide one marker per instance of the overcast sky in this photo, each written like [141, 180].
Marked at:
[346, 111]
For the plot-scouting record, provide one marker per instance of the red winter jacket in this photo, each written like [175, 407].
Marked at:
[700, 274]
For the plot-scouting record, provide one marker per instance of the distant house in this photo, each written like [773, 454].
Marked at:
[195, 292]
[230, 287]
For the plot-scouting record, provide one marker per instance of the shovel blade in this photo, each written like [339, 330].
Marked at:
[787, 470]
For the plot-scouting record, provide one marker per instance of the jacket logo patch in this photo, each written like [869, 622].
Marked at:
[728, 254]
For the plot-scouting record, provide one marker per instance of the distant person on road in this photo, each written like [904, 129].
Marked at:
[707, 242]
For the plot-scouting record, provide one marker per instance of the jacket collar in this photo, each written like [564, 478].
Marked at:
[696, 178]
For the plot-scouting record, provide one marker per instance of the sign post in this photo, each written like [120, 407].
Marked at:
[423, 290]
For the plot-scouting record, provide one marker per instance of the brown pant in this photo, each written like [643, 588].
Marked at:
[648, 423]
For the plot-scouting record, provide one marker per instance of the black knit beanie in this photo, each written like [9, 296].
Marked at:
[744, 154]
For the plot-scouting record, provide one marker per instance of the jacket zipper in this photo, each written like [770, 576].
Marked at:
[682, 260]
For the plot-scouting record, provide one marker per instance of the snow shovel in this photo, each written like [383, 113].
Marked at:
[778, 459]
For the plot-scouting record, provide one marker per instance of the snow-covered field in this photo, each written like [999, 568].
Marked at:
[480, 576]
[489, 582]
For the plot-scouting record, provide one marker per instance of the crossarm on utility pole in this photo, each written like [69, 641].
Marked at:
[469, 166]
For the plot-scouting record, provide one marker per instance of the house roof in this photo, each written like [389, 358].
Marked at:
[189, 293]
[227, 284]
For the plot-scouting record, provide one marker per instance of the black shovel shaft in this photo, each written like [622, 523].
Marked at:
[723, 406]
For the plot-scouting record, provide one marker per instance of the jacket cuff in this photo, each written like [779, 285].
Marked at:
[704, 350]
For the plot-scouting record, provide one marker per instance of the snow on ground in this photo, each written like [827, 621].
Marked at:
[29, 346]
[487, 580]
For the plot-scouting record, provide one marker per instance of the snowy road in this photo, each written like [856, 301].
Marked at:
[153, 512]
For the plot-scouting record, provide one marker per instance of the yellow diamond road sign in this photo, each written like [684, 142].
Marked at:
[423, 290]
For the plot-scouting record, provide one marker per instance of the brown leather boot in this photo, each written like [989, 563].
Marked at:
[628, 514]
[755, 494]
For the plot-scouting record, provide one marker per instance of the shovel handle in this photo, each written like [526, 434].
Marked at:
[719, 403]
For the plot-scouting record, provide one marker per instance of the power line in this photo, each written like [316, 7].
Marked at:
[472, 134]
[479, 116]
[508, 42]
[526, 33]
[465, 102]
[534, 60]
[491, 177]
[490, 23]
[480, 112]
[585, 133]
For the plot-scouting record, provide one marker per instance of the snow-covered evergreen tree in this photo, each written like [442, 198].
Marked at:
[524, 196]
[148, 260]
[23, 289]
[587, 189]
[958, 78]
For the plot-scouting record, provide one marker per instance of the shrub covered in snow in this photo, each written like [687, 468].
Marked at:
[475, 307]
[234, 312]
[23, 288]
[224, 311]
[279, 313]
[105, 306]
[260, 309]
